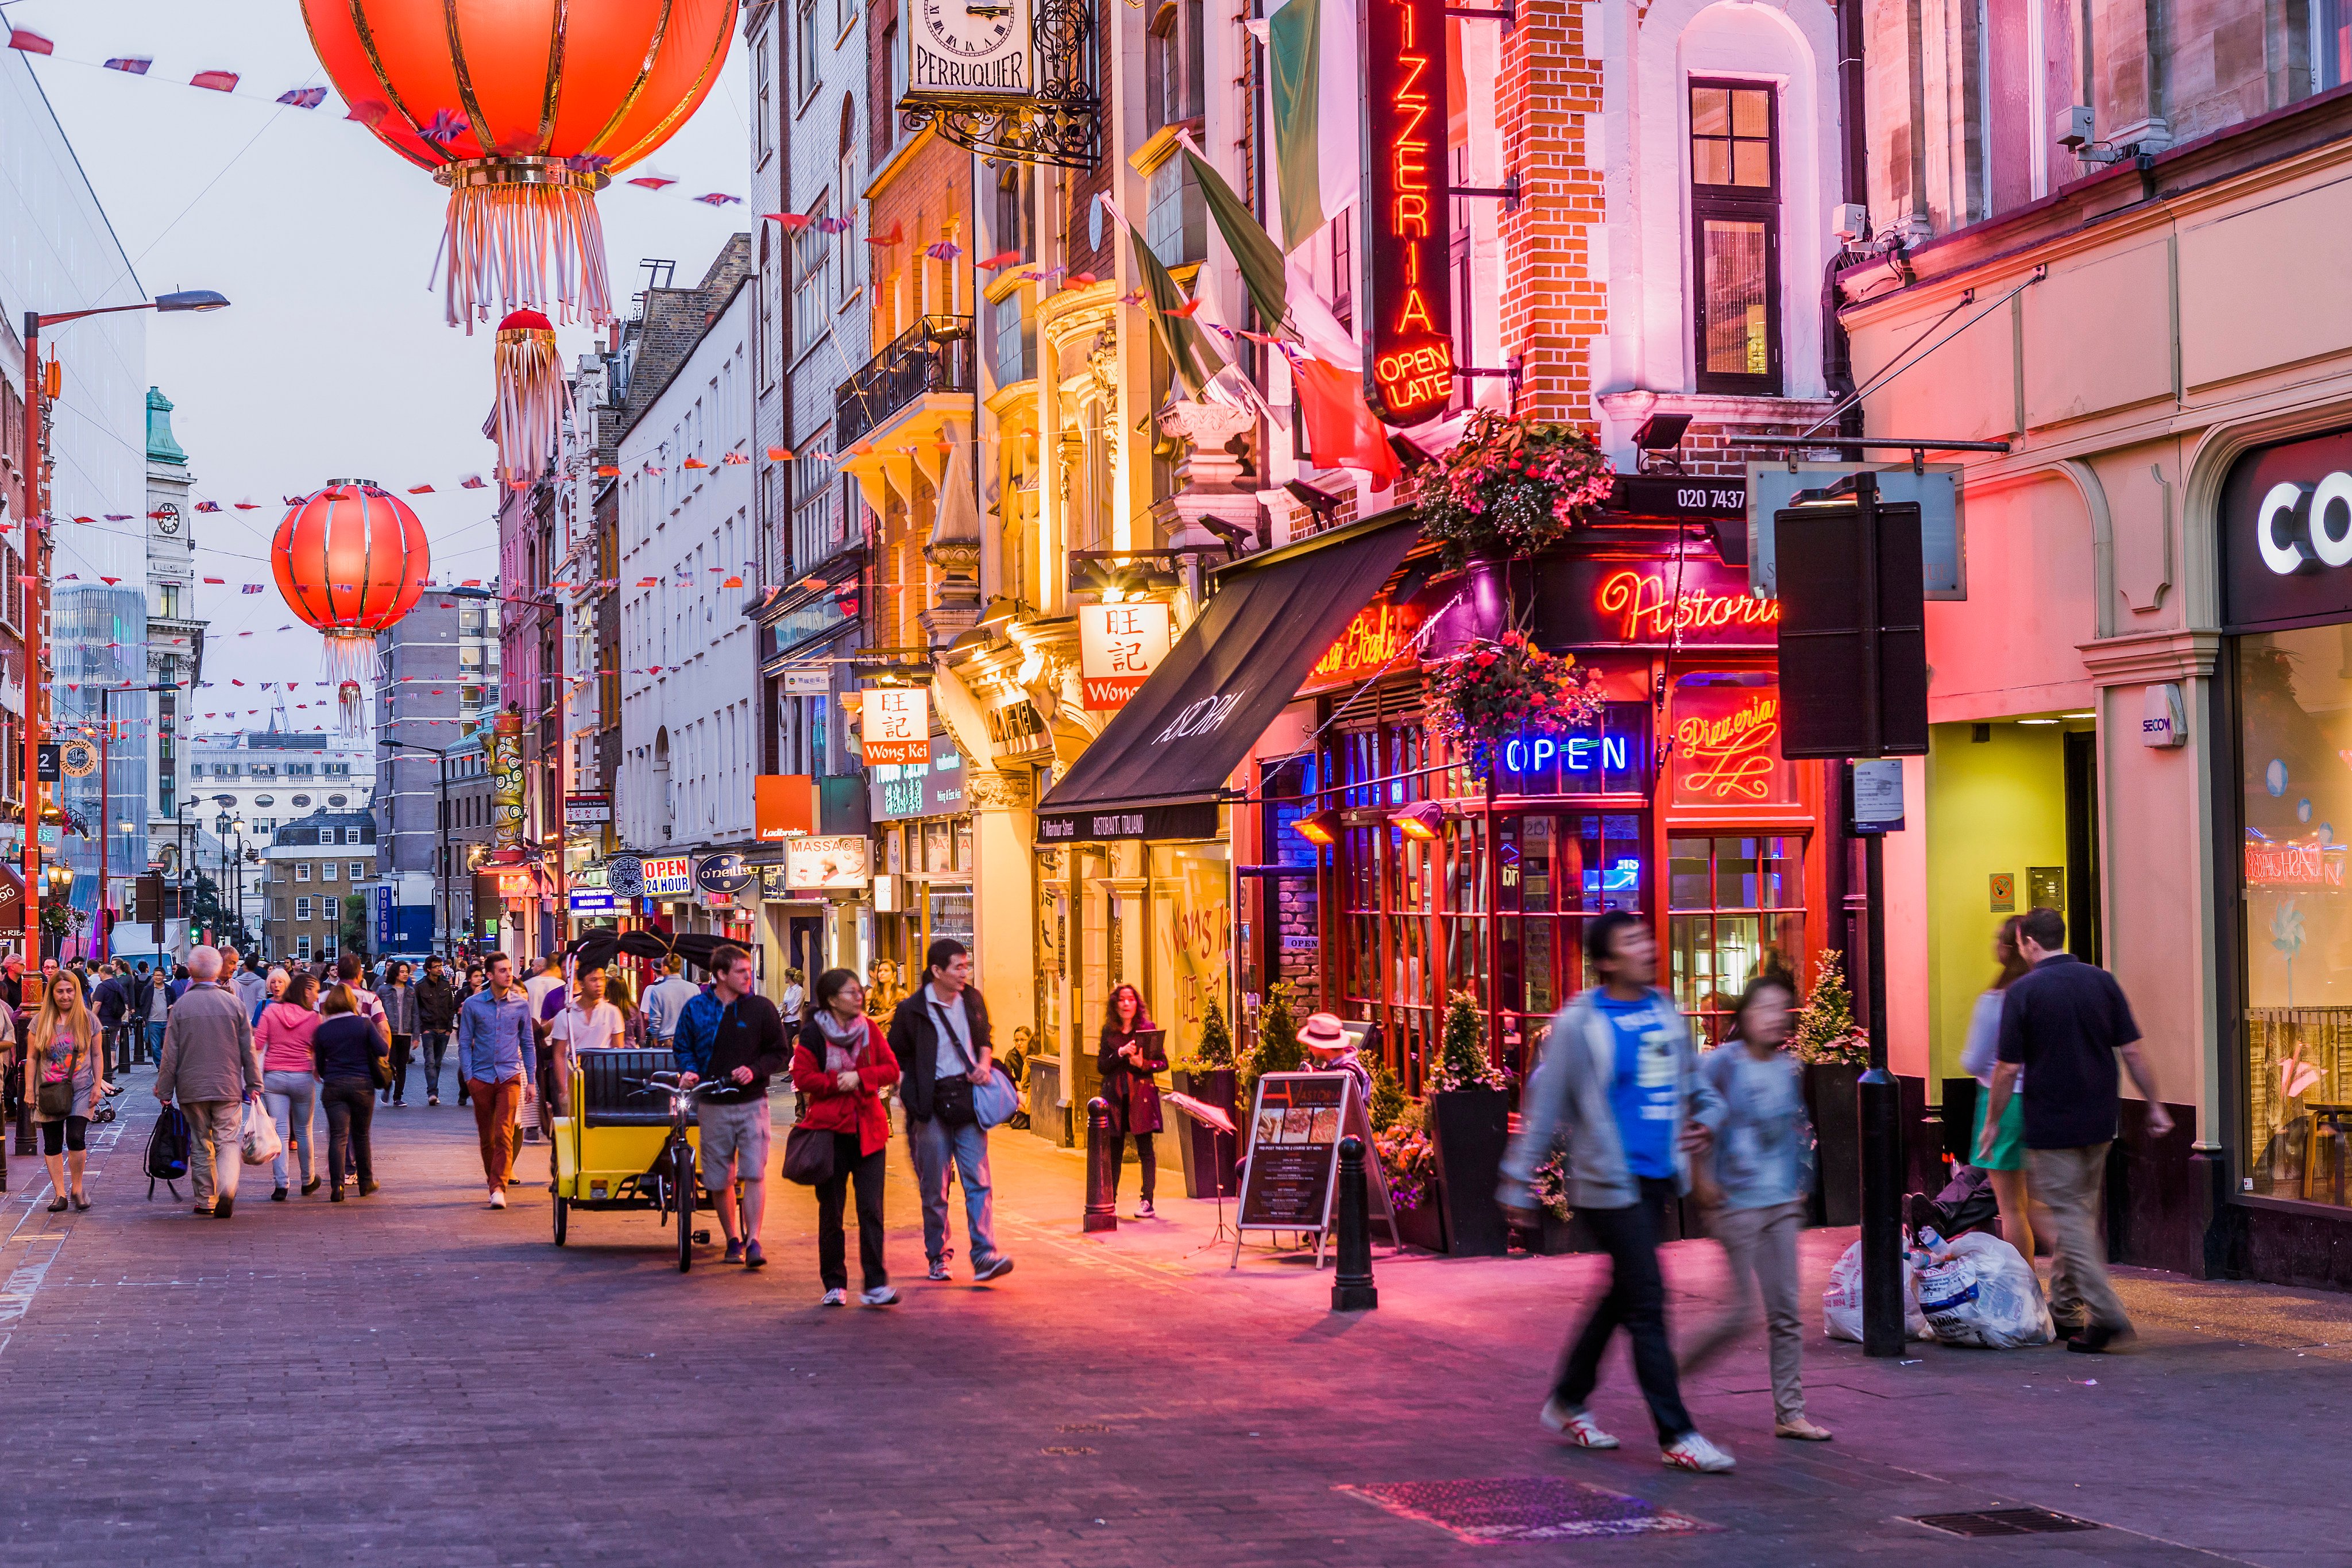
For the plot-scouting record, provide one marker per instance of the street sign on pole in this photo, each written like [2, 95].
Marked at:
[1853, 685]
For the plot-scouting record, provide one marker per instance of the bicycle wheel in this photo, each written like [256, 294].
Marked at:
[562, 1218]
[682, 1183]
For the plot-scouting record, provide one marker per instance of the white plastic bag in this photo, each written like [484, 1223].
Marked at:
[1842, 1302]
[1981, 1291]
[259, 1135]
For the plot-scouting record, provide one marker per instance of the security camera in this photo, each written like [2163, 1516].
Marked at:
[1849, 223]
[2075, 128]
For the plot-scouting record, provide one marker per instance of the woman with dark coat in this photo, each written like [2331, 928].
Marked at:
[1128, 1058]
[843, 1064]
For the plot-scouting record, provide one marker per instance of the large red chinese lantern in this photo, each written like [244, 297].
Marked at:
[522, 108]
[350, 561]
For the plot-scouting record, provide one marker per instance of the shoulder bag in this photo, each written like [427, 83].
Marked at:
[952, 1099]
[55, 1100]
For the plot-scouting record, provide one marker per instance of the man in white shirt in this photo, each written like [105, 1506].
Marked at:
[665, 1000]
[587, 1023]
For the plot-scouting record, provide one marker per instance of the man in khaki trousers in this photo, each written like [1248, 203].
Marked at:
[2063, 1027]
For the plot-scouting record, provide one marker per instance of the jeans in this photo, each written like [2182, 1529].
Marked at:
[398, 1092]
[215, 1135]
[293, 1100]
[2069, 1183]
[831, 1242]
[1637, 1301]
[153, 1049]
[350, 1107]
[1142, 1157]
[495, 1105]
[933, 1144]
[1761, 1245]
[436, 1051]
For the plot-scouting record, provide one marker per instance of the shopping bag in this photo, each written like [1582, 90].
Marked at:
[259, 1137]
[994, 1101]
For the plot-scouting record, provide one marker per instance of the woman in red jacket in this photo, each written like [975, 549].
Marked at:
[843, 1064]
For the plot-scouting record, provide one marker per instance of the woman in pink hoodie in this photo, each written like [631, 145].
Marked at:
[289, 1087]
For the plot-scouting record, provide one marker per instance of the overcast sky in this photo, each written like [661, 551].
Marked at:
[334, 361]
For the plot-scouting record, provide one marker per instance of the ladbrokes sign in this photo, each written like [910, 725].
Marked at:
[2286, 534]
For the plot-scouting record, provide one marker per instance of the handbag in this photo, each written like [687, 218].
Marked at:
[808, 1156]
[953, 1101]
[57, 1099]
[380, 1070]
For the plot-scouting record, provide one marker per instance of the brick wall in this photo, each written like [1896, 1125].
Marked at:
[1552, 307]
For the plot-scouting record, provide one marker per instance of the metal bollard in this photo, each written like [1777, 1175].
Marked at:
[27, 1142]
[1352, 1291]
[1102, 1202]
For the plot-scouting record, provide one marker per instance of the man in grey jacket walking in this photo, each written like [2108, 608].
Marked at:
[1619, 1085]
[210, 1066]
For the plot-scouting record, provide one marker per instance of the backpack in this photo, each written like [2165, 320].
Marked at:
[167, 1150]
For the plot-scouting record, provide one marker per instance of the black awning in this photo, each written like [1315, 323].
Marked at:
[1159, 766]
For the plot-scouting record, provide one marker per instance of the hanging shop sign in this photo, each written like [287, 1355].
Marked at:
[1119, 645]
[1185, 819]
[895, 724]
[625, 875]
[776, 885]
[1726, 750]
[1694, 601]
[515, 885]
[724, 873]
[1379, 641]
[667, 877]
[506, 781]
[1613, 759]
[808, 681]
[594, 901]
[384, 920]
[1409, 357]
[2286, 534]
[783, 804]
[959, 53]
[933, 788]
[825, 864]
[587, 809]
[78, 759]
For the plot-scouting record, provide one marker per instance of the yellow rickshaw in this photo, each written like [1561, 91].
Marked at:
[630, 1142]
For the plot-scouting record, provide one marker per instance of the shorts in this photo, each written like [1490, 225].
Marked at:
[734, 1140]
[2008, 1139]
[57, 1137]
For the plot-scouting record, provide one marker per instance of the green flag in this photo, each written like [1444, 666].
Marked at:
[1255, 252]
[1189, 352]
[1294, 56]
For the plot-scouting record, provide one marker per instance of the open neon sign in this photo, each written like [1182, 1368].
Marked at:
[1408, 370]
[1577, 754]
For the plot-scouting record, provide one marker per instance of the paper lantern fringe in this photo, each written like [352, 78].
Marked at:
[532, 398]
[526, 244]
[351, 663]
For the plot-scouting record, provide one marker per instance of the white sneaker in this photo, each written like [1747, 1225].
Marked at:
[497, 1197]
[1577, 1426]
[1692, 1452]
[834, 1299]
[880, 1296]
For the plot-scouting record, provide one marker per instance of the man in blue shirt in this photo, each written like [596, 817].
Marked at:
[498, 1053]
[1619, 1085]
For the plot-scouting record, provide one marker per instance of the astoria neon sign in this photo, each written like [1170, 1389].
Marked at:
[1649, 607]
[1409, 368]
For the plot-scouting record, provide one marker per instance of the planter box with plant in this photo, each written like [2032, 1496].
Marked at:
[1835, 1055]
[1211, 1157]
[1556, 1234]
[1401, 1140]
[1469, 1112]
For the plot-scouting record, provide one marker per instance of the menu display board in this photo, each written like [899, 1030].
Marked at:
[1290, 1179]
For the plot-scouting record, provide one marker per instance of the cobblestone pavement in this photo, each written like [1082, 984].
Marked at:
[412, 1378]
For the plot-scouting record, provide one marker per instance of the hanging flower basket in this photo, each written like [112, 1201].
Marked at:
[1491, 691]
[1510, 486]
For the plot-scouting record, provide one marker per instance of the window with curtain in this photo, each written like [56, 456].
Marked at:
[1735, 236]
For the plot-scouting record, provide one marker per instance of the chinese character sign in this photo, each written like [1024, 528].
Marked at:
[1119, 645]
[506, 781]
[896, 725]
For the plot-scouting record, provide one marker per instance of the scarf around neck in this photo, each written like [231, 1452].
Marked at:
[842, 1040]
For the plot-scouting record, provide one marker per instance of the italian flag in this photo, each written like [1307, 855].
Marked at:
[1314, 78]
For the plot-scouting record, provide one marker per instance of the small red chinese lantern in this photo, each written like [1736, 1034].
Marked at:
[532, 395]
[522, 110]
[350, 561]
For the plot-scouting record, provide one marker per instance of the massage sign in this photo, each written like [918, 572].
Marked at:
[1409, 361]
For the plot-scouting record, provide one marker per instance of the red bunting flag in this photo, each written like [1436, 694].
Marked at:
[420, 489]
[218, 81]
[472, 482]
[31, 42]
[1002, 258]
[897, 236]
[780, 454]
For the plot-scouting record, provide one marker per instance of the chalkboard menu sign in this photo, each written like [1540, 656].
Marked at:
[1290, 1180]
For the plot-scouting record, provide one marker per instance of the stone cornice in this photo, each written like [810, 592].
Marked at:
[2148, 658]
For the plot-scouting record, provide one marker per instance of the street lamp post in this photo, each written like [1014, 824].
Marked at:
[106, 808]
[37, 548]
[441, 874]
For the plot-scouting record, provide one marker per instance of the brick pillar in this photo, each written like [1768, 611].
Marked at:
[1552, 306]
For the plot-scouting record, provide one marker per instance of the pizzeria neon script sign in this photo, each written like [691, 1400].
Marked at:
[1409, 361]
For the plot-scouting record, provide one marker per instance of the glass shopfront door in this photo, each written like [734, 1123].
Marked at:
[1556, 870]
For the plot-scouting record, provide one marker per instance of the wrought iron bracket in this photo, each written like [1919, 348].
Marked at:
[1508, 193]
[1061, 127]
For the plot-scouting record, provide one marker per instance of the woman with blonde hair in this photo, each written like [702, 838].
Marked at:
[68, 1076]
[2003, 1161]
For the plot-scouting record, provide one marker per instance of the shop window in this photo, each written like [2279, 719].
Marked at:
[1736, 238]
[1735, 908]
[1015, 357]
[1727, 751]
[2295, 800]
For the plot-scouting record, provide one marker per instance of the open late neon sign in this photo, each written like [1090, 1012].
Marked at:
[1409, 361]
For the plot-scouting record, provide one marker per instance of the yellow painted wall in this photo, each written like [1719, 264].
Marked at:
[1995, 805]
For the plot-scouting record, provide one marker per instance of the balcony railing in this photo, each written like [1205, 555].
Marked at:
[933, 355]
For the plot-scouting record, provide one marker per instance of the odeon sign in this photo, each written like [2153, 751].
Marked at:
[2302, 528]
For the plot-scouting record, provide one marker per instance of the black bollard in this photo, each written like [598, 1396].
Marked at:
[1102, 1200]
[27, 1141]
[1352, 1291]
